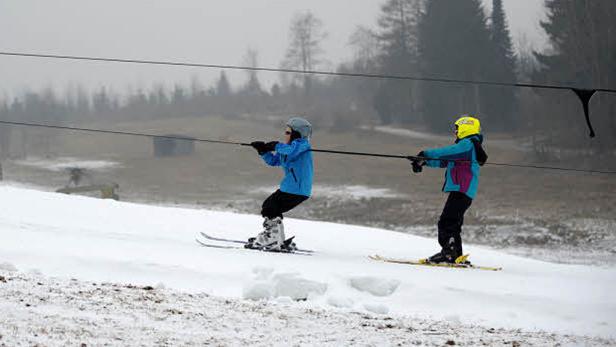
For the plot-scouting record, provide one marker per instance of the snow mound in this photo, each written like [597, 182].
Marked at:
[8, 267]
[340, 302]
[290, 285]
[376, 308]
[454, 319]
[258, 291]
[374, 285]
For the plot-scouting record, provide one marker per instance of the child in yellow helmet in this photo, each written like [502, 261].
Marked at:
[462, 161]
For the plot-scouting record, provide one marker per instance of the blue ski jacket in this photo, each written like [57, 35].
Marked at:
[460, 176]
[296, 161]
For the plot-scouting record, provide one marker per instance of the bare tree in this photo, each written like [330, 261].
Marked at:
[365, 45]
[306, 34]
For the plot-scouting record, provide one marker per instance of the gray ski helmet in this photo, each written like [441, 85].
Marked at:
[302, 126]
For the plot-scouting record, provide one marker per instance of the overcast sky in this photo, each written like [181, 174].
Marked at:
[203, 31]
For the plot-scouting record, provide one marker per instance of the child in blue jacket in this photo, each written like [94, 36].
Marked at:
[295, 156]
[462, 161]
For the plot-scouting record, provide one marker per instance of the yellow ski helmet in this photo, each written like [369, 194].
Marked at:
[467, 126]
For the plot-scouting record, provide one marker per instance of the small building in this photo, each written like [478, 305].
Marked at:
[173, 145]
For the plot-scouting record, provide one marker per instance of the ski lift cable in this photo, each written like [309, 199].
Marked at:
[583, 94]
[365, 154]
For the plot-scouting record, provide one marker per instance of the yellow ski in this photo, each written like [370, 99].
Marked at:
[461, 263]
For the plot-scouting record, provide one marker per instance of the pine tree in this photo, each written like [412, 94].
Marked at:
[582, 35]
[454, 42]
[82, 103]
[252, 86]
[583, 43]
[397, 35]
[501, 100]
[101, 102]
[5, 134]
[178, 96]
[223, 88]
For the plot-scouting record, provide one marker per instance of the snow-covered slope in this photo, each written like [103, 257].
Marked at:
[103, 240]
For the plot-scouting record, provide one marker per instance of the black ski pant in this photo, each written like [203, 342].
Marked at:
[280, 202]
[450, 223]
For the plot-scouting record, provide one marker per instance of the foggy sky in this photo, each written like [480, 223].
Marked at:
[202, 31]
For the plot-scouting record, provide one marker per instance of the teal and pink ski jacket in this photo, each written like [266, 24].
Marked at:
[462, 174]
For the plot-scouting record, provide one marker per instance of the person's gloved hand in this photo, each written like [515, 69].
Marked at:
[417, 166]
[259, 146]
[417, 163]
[270, 146]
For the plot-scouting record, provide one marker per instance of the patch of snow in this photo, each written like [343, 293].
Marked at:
[376, 308]
[374, 285]
[424, 135]
[262, 273]
[350, 192]
[284, 300]
[35, 272]
[7, 267]
[340, 301]
[355, 192]
[64, 163]
[454, 318]
[398, 131]
[290, 285]
[259, 291]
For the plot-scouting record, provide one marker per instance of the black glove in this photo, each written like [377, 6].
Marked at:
[259, 146]
[417, 166]
[270, 146]
[417, 163]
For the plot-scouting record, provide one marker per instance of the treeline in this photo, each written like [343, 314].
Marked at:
[582, 52]
[426, 38]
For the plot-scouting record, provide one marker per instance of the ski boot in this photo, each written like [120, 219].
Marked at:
[449, 258]
[442, 257]
[451, 254]
[271, 239]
